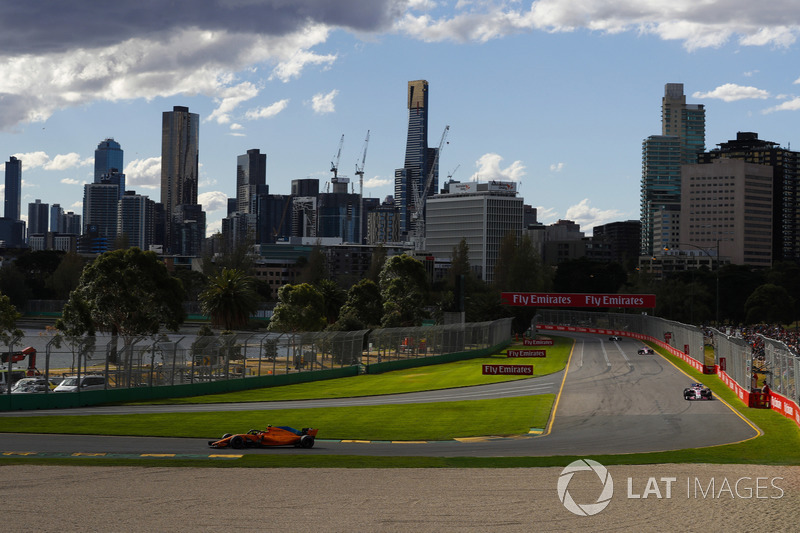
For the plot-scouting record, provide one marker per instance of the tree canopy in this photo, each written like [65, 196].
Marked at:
[363, 305]
[230, 298]
[125, 292]
[299, 308]
[404, 291]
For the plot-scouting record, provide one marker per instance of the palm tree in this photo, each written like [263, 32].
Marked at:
[230, 298]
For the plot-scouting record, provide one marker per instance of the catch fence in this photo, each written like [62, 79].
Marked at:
[179, 359]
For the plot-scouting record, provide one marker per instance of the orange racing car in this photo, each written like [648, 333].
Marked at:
[272, 436]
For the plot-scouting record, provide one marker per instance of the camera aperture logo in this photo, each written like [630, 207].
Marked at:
[585, 509]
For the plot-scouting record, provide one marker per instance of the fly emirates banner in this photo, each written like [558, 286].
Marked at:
[538, 299]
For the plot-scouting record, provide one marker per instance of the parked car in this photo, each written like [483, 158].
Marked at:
[88, 382]
[35, 384]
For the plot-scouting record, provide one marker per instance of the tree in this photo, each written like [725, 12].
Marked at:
[13, 285]
[769, 304]
[376, 263]
[519, 268]
[333, 297]
[66, 276]
[314, 270]
[9, 332]
[124, 292]
[230, 299]
[194, 283]
[37, 267]
[238, 256]
[299, 308]
[364, 303]
[404, 291]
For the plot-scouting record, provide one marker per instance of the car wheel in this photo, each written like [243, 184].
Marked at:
[226, 435]
[237, 442]
[307, 441]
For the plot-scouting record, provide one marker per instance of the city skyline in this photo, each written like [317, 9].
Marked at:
[554, 98]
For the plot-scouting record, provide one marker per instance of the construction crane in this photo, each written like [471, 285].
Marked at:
[360, 169]
[335, 162]
[418, 216]
[360, 174]
[450, 174]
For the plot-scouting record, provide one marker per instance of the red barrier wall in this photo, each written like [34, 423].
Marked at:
[778, 402]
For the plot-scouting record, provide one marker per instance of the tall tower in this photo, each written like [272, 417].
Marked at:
[136, 219]
[419, 158]
[108, 164]
[108, 156]
[100, 203]
[56, 214]
[13, 193]
[38, 215]
[179, 166]
[251, 171]
[683, 137]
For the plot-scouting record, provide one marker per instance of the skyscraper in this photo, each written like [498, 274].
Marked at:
[100, 203]
[482, 214]
[179, 166]
[683, 137]
[13, 193]
[785, 212]
[419, 158]
[38, 215]
[107, 156]
[251, 171]
[136, 219]
[56, 214]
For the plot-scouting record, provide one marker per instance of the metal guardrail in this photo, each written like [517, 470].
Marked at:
[740, 359]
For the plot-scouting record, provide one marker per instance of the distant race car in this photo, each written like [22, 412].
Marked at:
[615, 338]
[697, 391]
[272, 436]
[645, 350]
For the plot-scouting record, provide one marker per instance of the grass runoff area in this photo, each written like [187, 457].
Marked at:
[780, 444]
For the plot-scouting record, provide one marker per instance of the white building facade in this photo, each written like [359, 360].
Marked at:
[481, 213]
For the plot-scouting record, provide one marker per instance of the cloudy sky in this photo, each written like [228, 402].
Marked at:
[554, 94]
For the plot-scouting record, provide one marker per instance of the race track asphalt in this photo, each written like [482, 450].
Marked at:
[613, 401]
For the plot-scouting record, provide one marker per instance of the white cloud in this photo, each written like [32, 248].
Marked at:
[376, 181]
[708, 23]
[71, 181]
[323, 103]
[588, 217]
[731, 92]
[192, 62]
[59, 162]
[213, 227]
[546, 214]
[789, 105]
[143, 173]
[213, 201]
[557, 167]
[292, 67]
[229, 100]
[489, 169]
[267, 112]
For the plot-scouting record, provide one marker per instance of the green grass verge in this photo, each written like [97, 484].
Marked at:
[424, 421]
[779, 446]
[423, 378]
